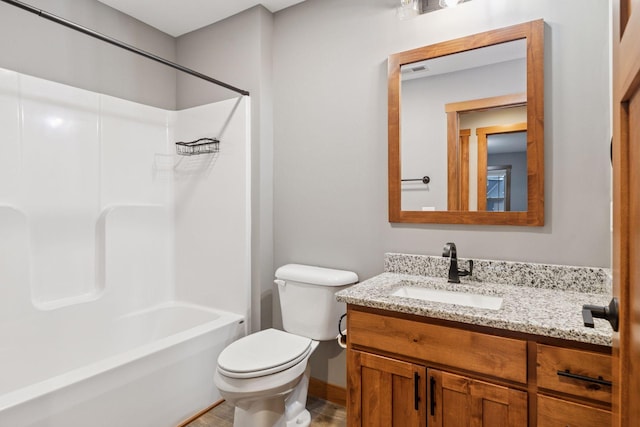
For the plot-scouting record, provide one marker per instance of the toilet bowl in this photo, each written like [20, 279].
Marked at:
[265, 375]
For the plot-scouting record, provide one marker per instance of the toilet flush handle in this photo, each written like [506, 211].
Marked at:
[280, 282]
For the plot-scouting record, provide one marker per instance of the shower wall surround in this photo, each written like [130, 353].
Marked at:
[91, 196]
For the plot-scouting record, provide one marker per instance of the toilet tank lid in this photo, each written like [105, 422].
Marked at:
[316, 275]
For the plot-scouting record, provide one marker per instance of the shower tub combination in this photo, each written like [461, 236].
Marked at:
[124, 268]
[115, 316]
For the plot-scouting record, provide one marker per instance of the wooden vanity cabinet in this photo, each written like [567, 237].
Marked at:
[404, 370]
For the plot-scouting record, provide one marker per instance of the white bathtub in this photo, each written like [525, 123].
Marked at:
[150, 368]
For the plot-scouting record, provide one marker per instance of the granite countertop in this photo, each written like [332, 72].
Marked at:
[548, 307]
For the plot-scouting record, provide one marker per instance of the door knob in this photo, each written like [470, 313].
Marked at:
[609, 313]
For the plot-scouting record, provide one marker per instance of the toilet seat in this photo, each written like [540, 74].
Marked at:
[263, 353]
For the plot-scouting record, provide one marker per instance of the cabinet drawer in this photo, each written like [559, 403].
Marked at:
[500, 357]
[557, 367]
[554, 412]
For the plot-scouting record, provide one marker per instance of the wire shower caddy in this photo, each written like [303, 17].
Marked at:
[199, 146]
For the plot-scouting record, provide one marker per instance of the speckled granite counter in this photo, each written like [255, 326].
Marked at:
[538, 299]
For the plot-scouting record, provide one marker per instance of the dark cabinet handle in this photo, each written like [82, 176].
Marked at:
[609, 313]
[598, 380]
[432, 392]
[416, 391]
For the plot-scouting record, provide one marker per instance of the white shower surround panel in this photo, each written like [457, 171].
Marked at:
[80, 169]
[213, 210]
[78, 160]
[100, 219]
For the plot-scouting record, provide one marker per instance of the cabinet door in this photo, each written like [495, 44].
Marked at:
[385, 392]
[457, 401]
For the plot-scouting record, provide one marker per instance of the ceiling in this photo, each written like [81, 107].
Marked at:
[177, 17]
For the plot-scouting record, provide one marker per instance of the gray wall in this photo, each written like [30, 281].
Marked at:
[32, 45]
[330, 133]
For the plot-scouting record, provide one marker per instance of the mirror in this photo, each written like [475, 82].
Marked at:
[466, 130]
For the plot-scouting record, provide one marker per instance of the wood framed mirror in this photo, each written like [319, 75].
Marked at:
[448, 104]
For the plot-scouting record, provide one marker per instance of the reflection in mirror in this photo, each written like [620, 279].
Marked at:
[428, 90]
[448, 103]
[498, 197]
[506, 188]
[495, 137]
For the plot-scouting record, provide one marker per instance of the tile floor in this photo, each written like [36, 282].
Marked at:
[323, 414]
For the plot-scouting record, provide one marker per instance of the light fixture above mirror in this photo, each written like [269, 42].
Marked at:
[408, 9]
[450, 3]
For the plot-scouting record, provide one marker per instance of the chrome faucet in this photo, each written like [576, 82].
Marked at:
[451, 252]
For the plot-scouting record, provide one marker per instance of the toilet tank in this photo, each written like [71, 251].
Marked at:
[307, 299]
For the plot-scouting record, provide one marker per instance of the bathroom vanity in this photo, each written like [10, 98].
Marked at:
[413, 361]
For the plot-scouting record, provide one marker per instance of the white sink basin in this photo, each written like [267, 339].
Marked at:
[449, 297]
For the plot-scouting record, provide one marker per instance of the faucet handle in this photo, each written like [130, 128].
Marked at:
[468, 272]
[449, 250]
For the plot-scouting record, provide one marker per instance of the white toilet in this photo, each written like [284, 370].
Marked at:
[265, 375]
